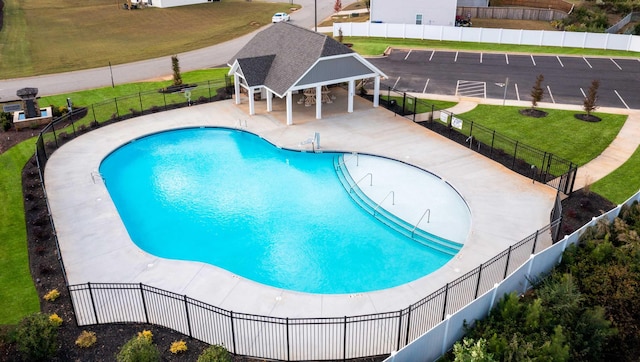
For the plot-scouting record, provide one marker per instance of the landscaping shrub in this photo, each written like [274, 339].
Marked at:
[37, 338]
[178, 347]
[214, 353]
[55, 320]
[86, 339]
[52, 295]
[140, 348]
[6, 121]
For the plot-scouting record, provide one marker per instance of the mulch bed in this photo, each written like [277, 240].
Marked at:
[587, 117]
[532, 112]
[578, 209]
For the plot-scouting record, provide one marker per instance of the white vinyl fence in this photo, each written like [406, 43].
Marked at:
[496, 36]
[437, 341]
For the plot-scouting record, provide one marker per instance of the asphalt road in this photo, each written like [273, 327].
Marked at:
[509, 76]
[213, 56]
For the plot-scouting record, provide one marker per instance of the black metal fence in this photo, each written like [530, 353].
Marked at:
[528, 161]
[82, 120]
[298, 339]
[339, 338]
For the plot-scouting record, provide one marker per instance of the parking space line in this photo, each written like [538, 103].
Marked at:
[409, 53]
[506, 57]
[586, 61]
[622, 100]
[559, 61]
[584, 95]
[432, 53]
[550, 94]
[515, 85]
[425, 86]
[614, 62]
[456, 58]
[480, 58]
[396, 83]
[533, 60]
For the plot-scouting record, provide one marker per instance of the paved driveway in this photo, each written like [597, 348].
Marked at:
[484, 75]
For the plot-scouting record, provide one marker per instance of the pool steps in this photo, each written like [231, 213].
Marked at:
[427, 239]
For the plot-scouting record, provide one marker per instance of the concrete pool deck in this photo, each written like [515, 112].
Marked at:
[505, 207]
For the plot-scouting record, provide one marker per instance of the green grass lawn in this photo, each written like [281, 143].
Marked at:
[53, 36]
[622, 183]
[94, 96]
[559, 132]
[17, 291]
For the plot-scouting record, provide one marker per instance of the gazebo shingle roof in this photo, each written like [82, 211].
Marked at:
[279, 55]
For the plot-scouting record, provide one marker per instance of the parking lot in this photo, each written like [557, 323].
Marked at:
[512, 76]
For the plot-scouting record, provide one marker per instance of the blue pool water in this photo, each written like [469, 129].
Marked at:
[278, 217]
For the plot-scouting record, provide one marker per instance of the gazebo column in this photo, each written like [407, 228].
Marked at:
[236, 86]
[269, 100]
[319, 102]
[352, 87]
[289, 108]
[252, 102]
[376, 91]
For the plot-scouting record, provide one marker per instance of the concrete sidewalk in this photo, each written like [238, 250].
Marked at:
[616, 154]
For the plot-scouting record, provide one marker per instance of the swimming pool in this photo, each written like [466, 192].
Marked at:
[277, 217]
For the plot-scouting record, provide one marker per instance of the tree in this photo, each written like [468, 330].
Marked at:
[175, 64]
[337, 6]
[592, 97]
[537, 92]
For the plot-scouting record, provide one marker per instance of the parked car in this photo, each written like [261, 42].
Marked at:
[278, 17]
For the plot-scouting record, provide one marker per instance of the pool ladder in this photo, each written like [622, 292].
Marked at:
[95, 175]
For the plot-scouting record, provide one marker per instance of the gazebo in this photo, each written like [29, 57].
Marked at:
[285, 59]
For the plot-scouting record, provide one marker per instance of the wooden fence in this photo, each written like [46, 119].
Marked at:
[510, 13]
[561, 5]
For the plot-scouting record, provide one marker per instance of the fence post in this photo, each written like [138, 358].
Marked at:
[399, 328]
[93, 110]
[532, 257]
[233, 334]
[408, 325]
[445, 337]
[288, 354]
[186, 309]
[433, 108]
[478, 283]
[164, 99]
[515, 152]
[93, 304]
[444, 307]
[115, 100]
[140, 98]
[506, 268]
[55, 138]
[344, 341]
[493, 138]
[535, 242]
[415, 108]
[404, 103]
[144, 304]
[209, 86]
